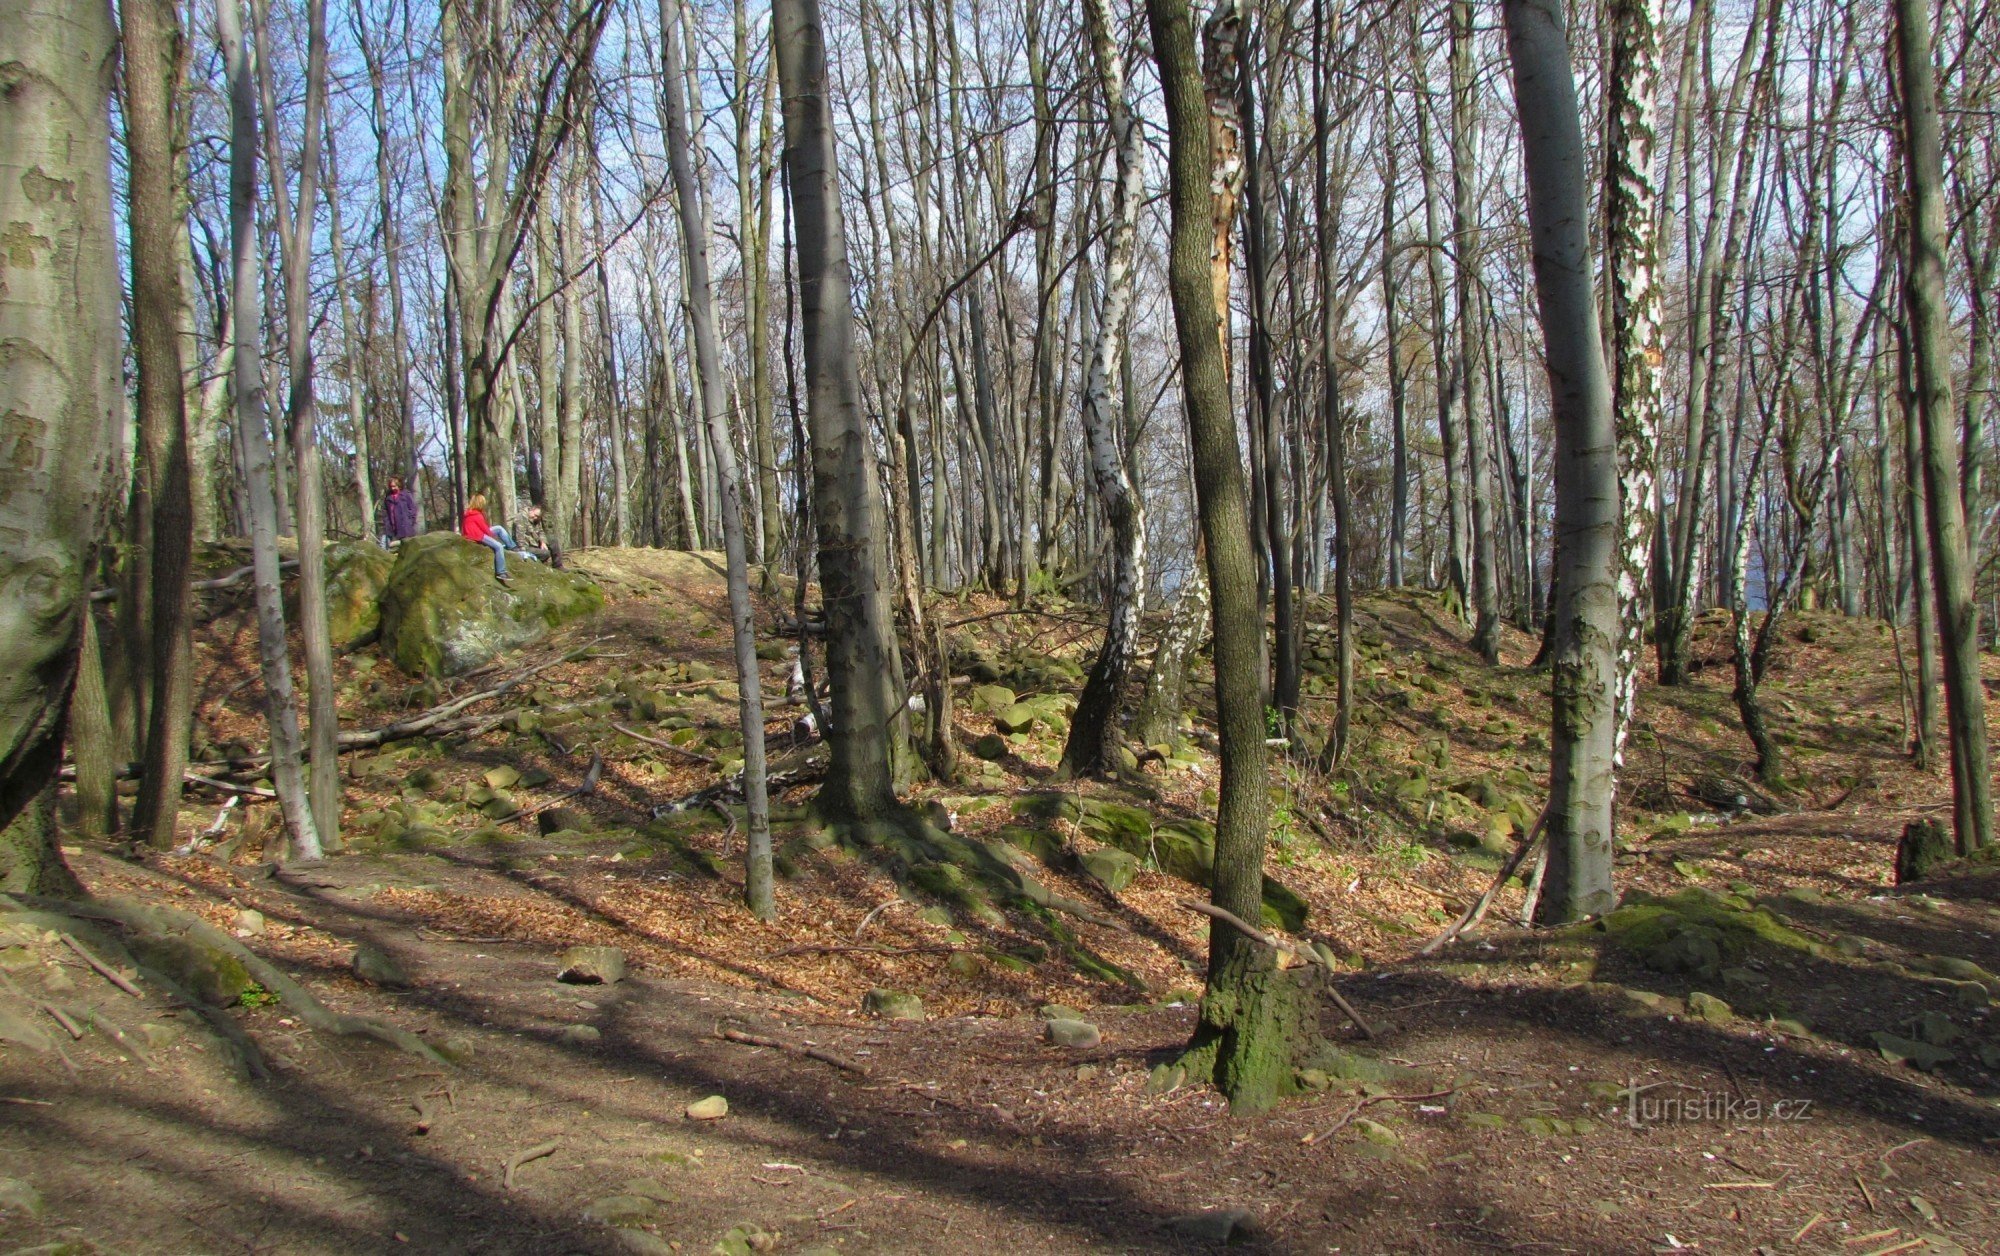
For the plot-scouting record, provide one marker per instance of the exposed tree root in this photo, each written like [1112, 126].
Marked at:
[166, 924]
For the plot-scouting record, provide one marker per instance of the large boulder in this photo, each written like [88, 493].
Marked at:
[356, 574]
[443, 613]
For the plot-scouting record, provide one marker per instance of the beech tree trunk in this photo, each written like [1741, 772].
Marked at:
[868, 737]
[757, 886]
[1585, 672]
[1925, 302]
[253, 437]
[1239, 1043]
[152, 47]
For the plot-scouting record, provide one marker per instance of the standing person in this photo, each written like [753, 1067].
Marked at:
[473, 526]
[399, 514]
[534, 539]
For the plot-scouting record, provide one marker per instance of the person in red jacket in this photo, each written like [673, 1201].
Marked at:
[474, 527]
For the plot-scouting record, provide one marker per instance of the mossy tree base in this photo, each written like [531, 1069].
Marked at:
[1259, 1026]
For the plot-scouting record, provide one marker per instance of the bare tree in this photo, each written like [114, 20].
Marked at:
[1924, 300]
[1094, 735]
[869, 735]
[1584, 683]
[61, 392]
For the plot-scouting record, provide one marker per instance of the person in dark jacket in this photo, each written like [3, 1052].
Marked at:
[532, 538]
[399, 514]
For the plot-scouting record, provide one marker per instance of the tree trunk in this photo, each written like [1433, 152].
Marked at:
[1331, 416]
[253, 440]
[869, 734]
[1585, 673]
[1631, 223]
[757, 886]
[1094, 735]
[1471, 368]
[1239, 1044]
[295, 235]
[1925, 302]
[152, 67]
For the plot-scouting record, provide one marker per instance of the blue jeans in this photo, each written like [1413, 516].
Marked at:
[499, 541]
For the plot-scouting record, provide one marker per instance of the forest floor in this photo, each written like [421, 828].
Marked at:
[1563, 1093]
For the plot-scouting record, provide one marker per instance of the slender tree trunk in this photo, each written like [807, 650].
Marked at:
[1925, 302]
[1331, 416]
[868, 737]
[757, 884]
[1585, 673]
[1094, 736]
[152, 68]
[1471, 369]
[1631, 222]
[1246, 1011]
[253, 440]
[295, 235]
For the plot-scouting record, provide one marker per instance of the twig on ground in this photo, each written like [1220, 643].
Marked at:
[873, 912]
[1347, 1117]
[663, 744]
[520, 1158]
[104, 970]
[1279, 944]
[811, 1053]
[1477, 912]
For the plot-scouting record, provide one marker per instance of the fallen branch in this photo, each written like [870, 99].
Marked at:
[296, 998]
[811, 1053]
[1279, 944]
[250, 791]
[237, 576]
[1347, 1117]
[520, 1158]
[429, 721]
[104, 970]
[663, 744]
[862, 948]
[1477, 912]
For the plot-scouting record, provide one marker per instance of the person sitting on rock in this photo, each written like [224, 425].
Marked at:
[399, 514]
[474, 527]
[534, 539]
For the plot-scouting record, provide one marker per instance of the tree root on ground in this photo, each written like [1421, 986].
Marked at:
[166, 924]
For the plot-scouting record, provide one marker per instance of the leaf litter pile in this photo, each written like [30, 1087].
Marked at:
[878, 1070]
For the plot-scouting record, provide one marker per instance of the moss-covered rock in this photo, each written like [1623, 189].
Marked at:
[356, 574]
[209, 973]
[1110, 867]
[443, 613]
[1696, 932]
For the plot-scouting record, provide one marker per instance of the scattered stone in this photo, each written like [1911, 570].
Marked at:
[1707, 1007]
[1918, 1055]
[622, 1211]
[1019, 718]
[250, 923]
[1971, 995]
[1924, 845]
[1486, 1120]
[19, 1197]
[1165, 1077]
[1378, 1133]
[1057, 1011]
[1955, 968]
[1110, 867]
[1937, 1029]
[886, 1004]
[579, 1035]
[743, 1240]
[964, 964]
[563, 819]
[378, 968]
[591, 966]
[1216, 1225]
[990, 746]
[501, 777]
[1071, 1033]
[713, 1108]
[990, 699]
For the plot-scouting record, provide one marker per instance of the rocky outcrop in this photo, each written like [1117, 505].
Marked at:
[443, 613]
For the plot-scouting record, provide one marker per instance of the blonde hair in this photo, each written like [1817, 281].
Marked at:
[478, 502]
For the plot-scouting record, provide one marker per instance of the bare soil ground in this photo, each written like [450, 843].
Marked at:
[1562, 1096]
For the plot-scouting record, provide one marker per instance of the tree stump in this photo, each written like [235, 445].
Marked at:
[1924, 845]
